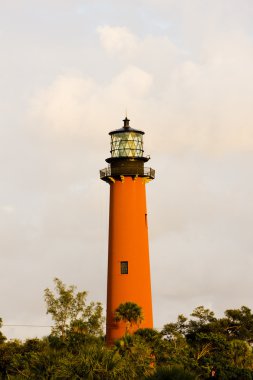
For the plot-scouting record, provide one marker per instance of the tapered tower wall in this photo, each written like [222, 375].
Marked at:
[128, 243]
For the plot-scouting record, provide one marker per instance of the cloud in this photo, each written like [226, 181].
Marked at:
[200, 104]
[69, 106]
[8, 209]
[62, 106]
[117, 40]
[132, 83]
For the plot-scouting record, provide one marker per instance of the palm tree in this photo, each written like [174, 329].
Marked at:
[130, 313]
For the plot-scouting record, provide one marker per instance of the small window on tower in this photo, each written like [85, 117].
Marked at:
[124, 267]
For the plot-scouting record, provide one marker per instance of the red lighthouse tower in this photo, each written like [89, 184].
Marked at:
[128, 252]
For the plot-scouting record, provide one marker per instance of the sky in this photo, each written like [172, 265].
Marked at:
[69, 71]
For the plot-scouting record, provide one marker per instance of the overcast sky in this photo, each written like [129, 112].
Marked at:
[183, 69]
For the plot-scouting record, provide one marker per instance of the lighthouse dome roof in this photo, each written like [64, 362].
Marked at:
[126, 128]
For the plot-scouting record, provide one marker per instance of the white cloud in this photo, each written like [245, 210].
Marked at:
[61, 107]
[117, 40]
[201, 103]
[8, 209]
[69, 106]
[132, 83]
[204, 105]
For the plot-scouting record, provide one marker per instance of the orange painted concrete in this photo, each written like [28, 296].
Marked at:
[128, 241]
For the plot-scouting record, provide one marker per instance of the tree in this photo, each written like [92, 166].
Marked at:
[129, 313]
[205, 341]
[137, 353]
[160, 347]
[69, 311]
[241, 354]
[239, 324]
[7, 352]
[172, 373]
[174, 331]
[2, 337]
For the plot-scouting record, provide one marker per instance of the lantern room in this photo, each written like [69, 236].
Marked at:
[126, 141]
[127, 155]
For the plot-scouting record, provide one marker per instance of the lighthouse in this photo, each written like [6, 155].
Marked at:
[128, 277]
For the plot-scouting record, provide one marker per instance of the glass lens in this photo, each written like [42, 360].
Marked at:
[128, 144]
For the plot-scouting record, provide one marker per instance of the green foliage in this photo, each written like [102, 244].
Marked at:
[205, 341]
[174, 373]
[137, 353]
[130, 313]
[2, 337]
[173, 331]
[8, 351]
[240, 354]
[186, 349]
[240, 324]
[160, 348]
[70, 313]
[93, 362]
